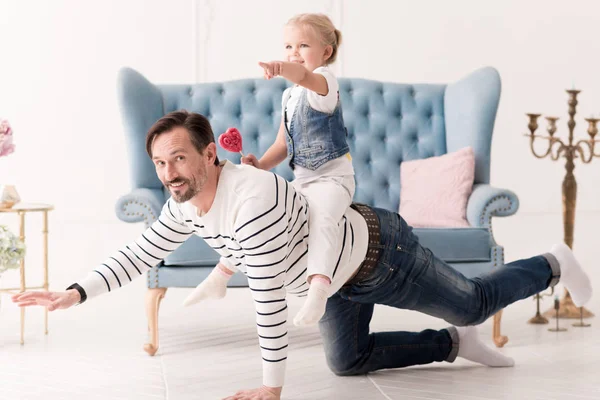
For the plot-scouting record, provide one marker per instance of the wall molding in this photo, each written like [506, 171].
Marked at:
[203, 19]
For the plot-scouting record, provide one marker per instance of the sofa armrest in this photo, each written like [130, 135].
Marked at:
[470, 108]
[141, 105]
[140, 205]
[487, 202]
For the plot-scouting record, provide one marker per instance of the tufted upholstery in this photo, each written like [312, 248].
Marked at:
[387, 123]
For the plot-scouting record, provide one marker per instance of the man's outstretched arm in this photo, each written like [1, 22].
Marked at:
[131, 261]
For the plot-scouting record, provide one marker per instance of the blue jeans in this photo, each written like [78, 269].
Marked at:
[410, 276]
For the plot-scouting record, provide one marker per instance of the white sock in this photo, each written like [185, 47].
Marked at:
[213, 287]
[473, 349]
[314, 306]
[572, 276]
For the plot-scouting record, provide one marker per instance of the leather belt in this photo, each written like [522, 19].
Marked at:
[365, 269]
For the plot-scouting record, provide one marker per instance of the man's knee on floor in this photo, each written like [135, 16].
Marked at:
[469, 319]
[343, 367]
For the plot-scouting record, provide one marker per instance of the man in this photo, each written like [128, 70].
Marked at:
[258, 223]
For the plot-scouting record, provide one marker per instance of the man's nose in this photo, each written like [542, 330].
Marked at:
[170, 173]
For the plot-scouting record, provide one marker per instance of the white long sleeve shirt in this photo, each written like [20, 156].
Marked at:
[258, 224]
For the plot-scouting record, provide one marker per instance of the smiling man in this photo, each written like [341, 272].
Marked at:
[258, 223]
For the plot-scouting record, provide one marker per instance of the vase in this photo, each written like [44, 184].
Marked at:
[8, 196]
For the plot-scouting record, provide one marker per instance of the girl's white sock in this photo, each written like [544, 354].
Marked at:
[213, 287]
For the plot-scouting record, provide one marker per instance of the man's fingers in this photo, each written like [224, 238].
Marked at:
[27, 303]
[30, 295]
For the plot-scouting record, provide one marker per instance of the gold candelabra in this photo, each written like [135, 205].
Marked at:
[583, 149]
[538, 318]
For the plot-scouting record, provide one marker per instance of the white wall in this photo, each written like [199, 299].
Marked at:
[59, 61]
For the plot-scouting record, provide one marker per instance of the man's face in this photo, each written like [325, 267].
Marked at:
[178, 164]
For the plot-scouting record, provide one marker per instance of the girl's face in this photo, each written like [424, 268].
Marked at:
[302, 46]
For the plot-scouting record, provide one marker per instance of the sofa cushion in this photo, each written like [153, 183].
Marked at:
[435, 190]
[457, 244]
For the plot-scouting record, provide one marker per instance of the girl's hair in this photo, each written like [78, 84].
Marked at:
[324, 28]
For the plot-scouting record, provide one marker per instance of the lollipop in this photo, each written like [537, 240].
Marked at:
[231, 141]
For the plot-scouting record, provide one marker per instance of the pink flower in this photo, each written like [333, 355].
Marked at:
[6, 144]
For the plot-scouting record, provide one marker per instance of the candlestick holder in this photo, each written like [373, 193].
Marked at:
[556, 308]
[581, 324]
[583, 149]
[538, 318]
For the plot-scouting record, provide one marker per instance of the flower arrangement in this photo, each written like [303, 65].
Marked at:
[6, 136]
[12, 250]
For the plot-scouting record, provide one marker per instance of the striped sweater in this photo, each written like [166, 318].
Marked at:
[259, 225]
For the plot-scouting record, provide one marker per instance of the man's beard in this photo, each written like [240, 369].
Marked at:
[193, 188]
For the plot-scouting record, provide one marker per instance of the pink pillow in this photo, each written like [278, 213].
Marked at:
[434, 191]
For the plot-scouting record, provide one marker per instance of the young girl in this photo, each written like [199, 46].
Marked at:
[313, 135]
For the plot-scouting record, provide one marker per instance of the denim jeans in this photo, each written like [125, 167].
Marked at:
[410, 276]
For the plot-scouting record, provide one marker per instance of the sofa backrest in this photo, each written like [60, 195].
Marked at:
[387, 122]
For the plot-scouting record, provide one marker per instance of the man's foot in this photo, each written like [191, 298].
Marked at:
[473, 349]
[213, 287]
[314, 307]
[572, 276]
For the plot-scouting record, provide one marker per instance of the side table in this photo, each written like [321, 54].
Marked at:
[21, 209]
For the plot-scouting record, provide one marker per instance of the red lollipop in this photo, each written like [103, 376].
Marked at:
[231, 141]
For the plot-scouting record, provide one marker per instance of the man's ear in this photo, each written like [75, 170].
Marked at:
[211, 153]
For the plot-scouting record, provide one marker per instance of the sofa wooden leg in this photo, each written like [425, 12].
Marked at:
[499, 339]
[153, 298]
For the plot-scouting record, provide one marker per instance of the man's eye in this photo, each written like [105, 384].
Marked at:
[180, 158]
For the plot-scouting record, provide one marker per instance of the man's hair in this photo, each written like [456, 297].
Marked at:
[197, 125]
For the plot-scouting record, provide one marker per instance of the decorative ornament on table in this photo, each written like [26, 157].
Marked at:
[8, 193]
[231, 140]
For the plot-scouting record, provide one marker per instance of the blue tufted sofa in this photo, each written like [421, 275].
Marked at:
[387, 123]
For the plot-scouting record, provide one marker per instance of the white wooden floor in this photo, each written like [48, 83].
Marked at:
[209, 351]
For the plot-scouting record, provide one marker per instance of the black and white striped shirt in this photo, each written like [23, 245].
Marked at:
[258, 224]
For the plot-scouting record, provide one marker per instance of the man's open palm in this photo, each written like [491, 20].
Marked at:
[52, 300]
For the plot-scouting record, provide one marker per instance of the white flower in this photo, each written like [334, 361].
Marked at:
[12, 250]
